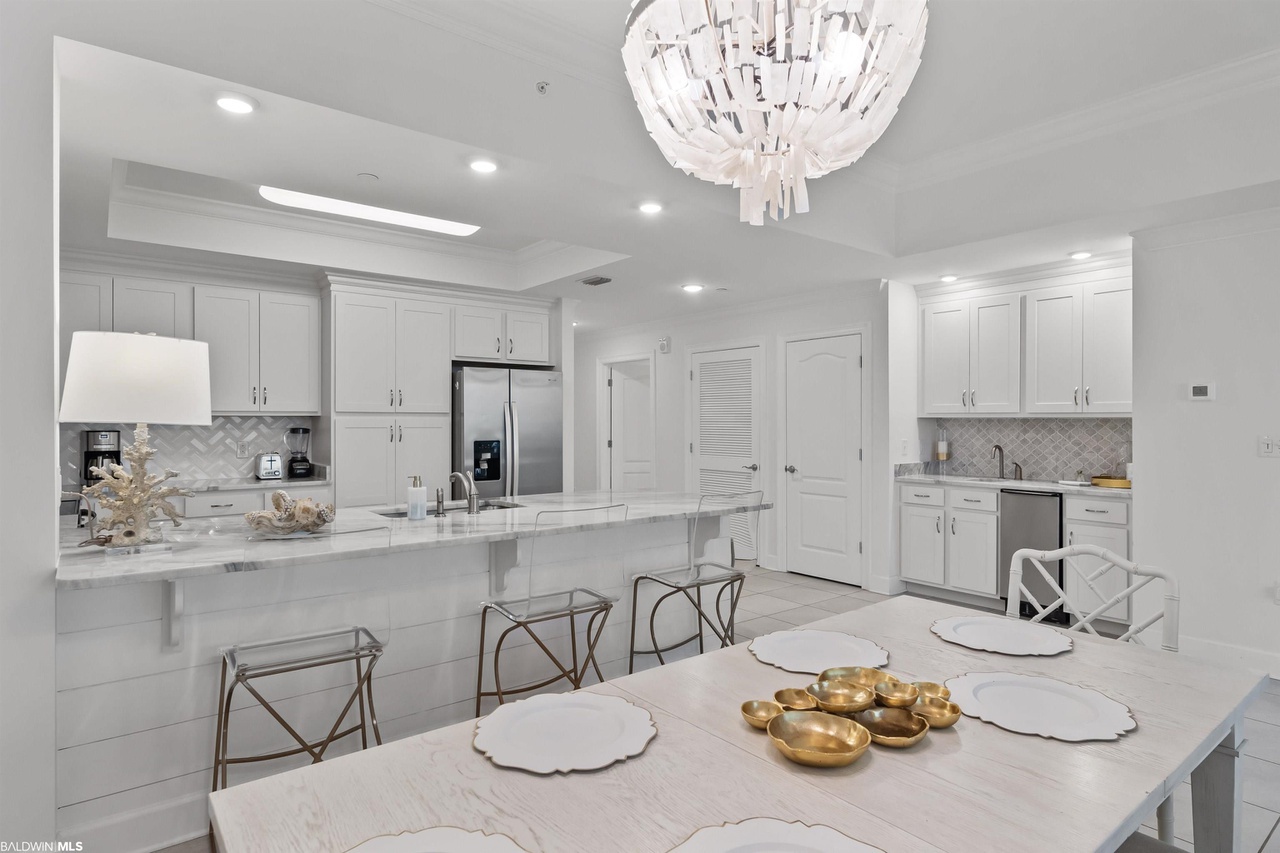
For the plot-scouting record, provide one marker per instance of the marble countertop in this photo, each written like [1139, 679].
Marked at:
[208, 546]
[1035, 485]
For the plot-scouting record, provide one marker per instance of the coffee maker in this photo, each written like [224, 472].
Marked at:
[298, 440]
[98, 448]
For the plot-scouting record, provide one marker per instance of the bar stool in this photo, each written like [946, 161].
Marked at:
[538, 607]
[248, 662]
[714, 568]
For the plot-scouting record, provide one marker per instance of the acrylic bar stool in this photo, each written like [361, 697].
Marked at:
[537, 607]
[715, 567]
[248, 662]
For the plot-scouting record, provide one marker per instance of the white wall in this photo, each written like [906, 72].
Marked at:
[1206, 507]
[864, 304]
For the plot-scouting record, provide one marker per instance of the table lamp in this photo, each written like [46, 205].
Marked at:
[114, 377]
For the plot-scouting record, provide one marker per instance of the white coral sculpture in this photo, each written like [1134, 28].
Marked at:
[290, 515]
[133, 497]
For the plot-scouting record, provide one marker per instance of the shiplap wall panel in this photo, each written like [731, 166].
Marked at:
[136, 723]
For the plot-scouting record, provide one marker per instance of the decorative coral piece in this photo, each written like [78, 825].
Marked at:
[133, 497]
[291, 516]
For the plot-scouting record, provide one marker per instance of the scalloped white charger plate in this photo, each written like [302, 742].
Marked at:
[439, 839]
[1035, 705]
[813, 651]
[563, 732]
[760, 834]
[1002, 634]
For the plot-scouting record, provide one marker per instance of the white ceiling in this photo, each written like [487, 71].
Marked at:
[1033, 128]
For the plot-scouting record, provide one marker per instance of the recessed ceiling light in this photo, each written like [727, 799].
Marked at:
[485, 166]
[650, 207]
[722, 290]
[322, 204]
[949, 278]
[367, 176]
[1080, 256]
[692, 288]
[575, 324]
[234, 102]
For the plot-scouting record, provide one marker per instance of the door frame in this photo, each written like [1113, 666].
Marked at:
[863, 330]
[604, 462]
[691, 482]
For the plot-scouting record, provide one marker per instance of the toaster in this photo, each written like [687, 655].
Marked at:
[267, 466]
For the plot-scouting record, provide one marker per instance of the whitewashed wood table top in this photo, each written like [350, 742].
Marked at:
[974, 787]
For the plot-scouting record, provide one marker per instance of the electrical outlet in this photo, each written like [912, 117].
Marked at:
[242, 450]
[904, 448]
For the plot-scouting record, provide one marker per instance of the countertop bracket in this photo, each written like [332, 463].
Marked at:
[171, 609]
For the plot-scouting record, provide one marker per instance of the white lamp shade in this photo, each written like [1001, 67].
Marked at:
[113, 377]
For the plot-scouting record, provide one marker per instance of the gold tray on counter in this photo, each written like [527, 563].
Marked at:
[1112, 483]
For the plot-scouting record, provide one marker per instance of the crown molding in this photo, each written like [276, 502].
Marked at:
[1044, 274]
[1208, 230]
[1177, 96]
[117, 263]
[338, 281]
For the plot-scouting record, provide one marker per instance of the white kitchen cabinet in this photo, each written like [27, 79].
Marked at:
[364, 460]
[148, 306]
[1054, 350]
[264, 350]
[423, 449]
[528, 336]
[364, 357]
[422, 366]
[84, 305]
[1108, 347]
[1115, 539]
[972, 551]
[478, 333]
[995, 355]
[923, 544]
[375, 455]
[944, 363]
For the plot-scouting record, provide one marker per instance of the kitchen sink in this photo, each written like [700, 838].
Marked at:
[486, 505]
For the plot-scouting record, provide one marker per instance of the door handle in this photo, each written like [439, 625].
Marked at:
[1086, 395]
[264, 395]
[391, 396]
[391, 430]
[973, 397]
[511, 345]
[752, 467]
[401, 397]
[219, 506]
[953, 527]
[964, 399]
[1075, 396]
[401, 430]
[790, 469]
[1071, 537]
[497, 345]
[938, 524]
[255, 395]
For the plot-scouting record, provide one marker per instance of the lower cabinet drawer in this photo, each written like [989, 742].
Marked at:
[1096, 511]
[926, 495]
[225, 503]
[982, 500]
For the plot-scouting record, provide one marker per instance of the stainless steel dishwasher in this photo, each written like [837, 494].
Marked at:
[1030, 519]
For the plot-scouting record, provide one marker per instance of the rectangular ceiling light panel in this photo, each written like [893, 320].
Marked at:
[338, 207]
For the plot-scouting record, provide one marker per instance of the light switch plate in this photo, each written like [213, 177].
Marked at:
[1267, 447]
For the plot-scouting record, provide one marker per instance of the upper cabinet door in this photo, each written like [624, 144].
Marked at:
[944, 362]
[478, 333]
[227, 319]
[422, 357]
[146, 305]
[289, 340]
[1054, 361]
[84, 306]
[995, 355]
[528, 336]
[1108, 347]
[423, 449]
[364, 373]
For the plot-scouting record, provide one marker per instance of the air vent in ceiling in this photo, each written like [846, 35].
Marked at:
[595, 280]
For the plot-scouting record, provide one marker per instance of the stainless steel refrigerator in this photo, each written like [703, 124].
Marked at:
[507, 430]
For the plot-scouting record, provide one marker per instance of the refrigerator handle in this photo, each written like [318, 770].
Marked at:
[515, 451]
[509, 435]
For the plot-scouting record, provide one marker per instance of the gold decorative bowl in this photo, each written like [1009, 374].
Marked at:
[932, 690]
[841, 697]
[896, 727]
[795, 699]
[940, 713]
[896, 694]
[818, 740]
[865, 676]
[758, 712]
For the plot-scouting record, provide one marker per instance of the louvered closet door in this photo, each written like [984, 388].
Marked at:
[726, 430]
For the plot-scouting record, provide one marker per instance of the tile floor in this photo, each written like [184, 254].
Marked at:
[773, 601]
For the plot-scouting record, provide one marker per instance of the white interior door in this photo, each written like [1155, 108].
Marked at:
[823, 471]
[631, 445]
[726, 430]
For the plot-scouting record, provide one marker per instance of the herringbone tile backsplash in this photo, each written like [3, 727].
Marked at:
[195, 452]
[1047, 448]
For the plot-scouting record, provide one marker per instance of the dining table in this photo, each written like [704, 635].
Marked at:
[971, 787]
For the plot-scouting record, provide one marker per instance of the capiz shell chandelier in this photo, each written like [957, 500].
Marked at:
[765, 94]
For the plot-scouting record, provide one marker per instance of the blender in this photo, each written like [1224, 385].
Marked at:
[298, 440]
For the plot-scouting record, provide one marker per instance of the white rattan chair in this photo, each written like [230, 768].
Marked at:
[1137, 577]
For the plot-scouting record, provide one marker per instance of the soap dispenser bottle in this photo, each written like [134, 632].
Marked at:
[417, 499]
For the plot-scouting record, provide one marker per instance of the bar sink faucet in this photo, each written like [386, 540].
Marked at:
[469, 485]
[1017, 471]
[998, 451]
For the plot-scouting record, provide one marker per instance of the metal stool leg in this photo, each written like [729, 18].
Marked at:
[635, 605]
[698, 606]
[484, 620]
[220, 732]
[364, 735]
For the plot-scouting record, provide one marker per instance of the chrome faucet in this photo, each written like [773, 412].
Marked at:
[469, 485]
[997, 450]
[1017, 471]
